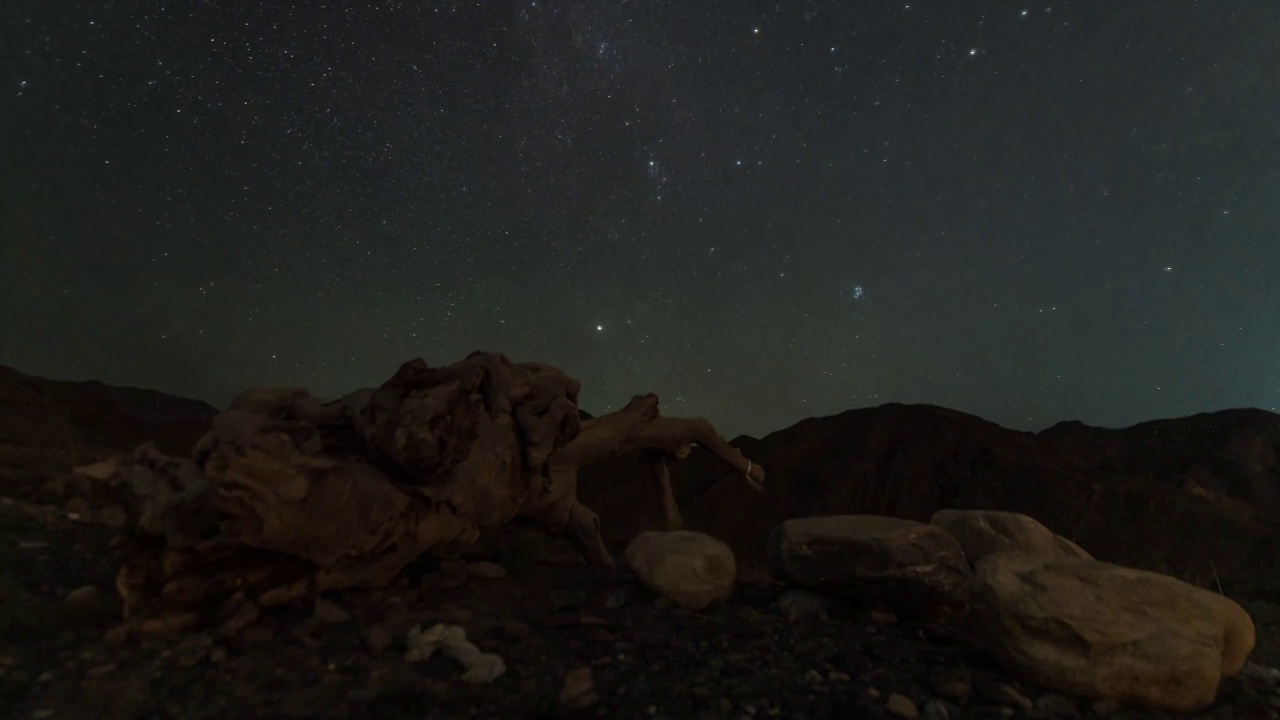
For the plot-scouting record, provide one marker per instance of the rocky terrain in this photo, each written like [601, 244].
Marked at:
[1195, 498]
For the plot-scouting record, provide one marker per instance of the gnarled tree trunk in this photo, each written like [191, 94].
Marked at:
[287, 495]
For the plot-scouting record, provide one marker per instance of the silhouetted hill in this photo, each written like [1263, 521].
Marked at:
[62, 423]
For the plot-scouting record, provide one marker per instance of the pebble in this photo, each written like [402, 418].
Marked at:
[951, 683]
[578, 690]
[244, 616]
[328, 612]
[379, 637]
[937, 710]
[486, 570]
[722, 664]
[799, 604]
[902, 706]
[84, 602]
[1004, 694]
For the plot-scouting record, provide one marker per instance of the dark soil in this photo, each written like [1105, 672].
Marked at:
[744, 659]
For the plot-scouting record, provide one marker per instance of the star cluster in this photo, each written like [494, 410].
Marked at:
[760, 211]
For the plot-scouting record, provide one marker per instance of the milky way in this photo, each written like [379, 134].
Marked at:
[760, 211]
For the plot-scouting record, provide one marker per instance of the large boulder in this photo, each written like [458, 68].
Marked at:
[913, 565]
[982, 532]
[1106, 631]
[691, 569]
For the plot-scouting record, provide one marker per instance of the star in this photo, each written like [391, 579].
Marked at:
[355, 214]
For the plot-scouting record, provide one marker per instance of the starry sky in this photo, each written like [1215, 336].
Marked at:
[1031, 211]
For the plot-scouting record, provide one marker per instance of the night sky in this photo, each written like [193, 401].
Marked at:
[761, 211]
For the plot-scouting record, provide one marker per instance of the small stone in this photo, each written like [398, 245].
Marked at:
[84, 593]
[259, 634]
[455, 614]
[813, 677]
[1004, 694]
[936, 710]
[882, 617]
[329, 612]
[1267, 675]
[242, 612]
[32, 545]
[902, 706]
[515, 631]
[952, 684]
[379, 637]
[102, 670]
[112, 516]
[444, 581]
[85, 601]
[798, 604]
[218, 654]
[281, 595]
[873, 692]
[578, 691]
[193, 650]
[486, 570]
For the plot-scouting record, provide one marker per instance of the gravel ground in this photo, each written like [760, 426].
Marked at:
[625, 653]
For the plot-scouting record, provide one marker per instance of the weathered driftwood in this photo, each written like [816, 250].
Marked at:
[287, 495]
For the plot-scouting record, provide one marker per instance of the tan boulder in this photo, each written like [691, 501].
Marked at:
[982, 532]
[1106, 631]
[691, 569]
[870, 556]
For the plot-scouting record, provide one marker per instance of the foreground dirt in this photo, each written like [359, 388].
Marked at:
[754, 657]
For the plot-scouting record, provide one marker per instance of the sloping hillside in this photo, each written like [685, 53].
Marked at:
[55, 424]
